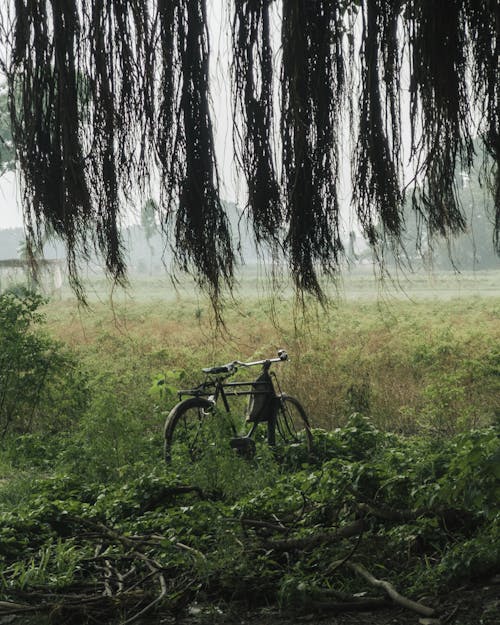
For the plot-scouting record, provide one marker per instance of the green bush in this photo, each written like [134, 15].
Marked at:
[110, 438]
[41, 386]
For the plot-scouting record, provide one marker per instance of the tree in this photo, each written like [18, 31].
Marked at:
[83, 144]
[148, 223]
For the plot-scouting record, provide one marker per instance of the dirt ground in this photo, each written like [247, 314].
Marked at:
[477, 604]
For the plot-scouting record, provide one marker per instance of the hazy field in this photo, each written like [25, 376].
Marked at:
[254, 282]
[419, 354]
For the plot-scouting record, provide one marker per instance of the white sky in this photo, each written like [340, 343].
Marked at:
[10, 209]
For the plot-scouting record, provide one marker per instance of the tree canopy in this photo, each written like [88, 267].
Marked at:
[105, 92]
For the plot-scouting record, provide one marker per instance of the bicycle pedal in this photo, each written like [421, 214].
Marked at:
[244, 446]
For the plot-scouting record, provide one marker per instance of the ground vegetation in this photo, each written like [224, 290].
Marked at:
[396, 508]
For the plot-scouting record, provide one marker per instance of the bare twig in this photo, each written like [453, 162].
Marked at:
[336, 565]
[192, 550]
[404, 516]
[107, 577]
[10, 605]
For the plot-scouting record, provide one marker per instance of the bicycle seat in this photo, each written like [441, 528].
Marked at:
[221, 369]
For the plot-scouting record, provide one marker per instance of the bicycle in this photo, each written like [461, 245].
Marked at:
[191, 424]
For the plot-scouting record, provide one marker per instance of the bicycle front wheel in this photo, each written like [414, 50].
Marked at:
[188, 428]
[195, 426]
[292, 424]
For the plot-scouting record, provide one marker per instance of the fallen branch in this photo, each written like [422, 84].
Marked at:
[152, 604]
[134, 542]
[129, 591]
[316, 540]
[9, 607]
[333, 600]
[74, 604]
[391, 591]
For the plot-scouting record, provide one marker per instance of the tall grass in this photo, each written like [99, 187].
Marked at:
[410, 365]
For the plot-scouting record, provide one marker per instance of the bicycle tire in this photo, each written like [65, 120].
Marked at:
[191, 414]
[195, 425]
[292, 423]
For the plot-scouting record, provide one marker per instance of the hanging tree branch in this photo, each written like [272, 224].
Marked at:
[376, 187]
[438, 42]
[186, 149]
[312, 85]
[484, 33]
[105, 94]
[253, 92]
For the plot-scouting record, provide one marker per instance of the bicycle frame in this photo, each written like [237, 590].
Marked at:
[219, 388]
[216, 388]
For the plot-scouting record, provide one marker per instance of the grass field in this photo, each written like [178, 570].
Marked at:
[421, 353]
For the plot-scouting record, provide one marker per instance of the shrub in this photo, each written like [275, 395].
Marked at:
[41, 386]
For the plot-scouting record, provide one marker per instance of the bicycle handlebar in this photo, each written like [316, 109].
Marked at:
[231, 367]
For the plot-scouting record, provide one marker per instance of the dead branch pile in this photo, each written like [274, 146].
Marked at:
[127, 576]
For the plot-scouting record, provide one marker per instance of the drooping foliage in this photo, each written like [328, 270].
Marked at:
[185, 146]
[253, 90]
[376, 160]
[438, 39]
[105, 94]
[312, 87]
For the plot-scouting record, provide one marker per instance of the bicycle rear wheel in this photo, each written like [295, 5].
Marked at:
[194, 426]
[292, 424]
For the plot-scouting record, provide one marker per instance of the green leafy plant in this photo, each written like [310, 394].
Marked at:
[41, 385]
